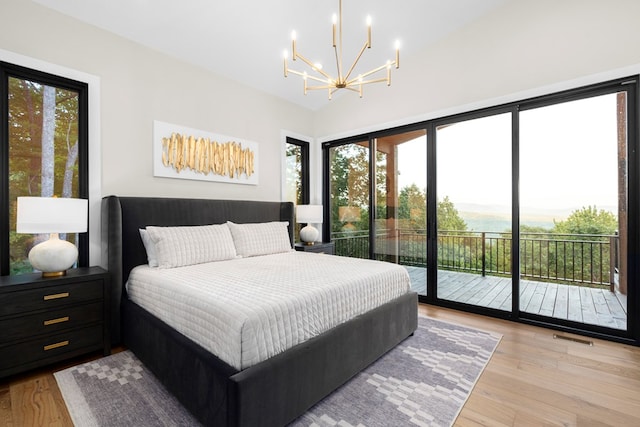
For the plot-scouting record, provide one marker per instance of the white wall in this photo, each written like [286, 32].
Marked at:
[522, 49]
[139, 85]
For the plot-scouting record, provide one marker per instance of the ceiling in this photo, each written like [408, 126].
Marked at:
[244, 39]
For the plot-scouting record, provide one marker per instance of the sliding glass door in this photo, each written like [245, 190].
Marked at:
[474, 211]
[522, 211]
[401, 204]
[573, 210]
[349, 199]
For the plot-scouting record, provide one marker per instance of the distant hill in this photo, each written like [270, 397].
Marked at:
[501, 221]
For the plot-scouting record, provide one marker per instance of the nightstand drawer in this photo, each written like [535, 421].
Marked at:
[50, 347]
[50, 297]
[50, 322]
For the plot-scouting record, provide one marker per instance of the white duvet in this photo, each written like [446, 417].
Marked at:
[248, 309]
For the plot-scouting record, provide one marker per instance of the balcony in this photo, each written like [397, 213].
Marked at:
[565, 276]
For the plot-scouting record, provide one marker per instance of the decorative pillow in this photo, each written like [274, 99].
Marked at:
[180, 246]
[150, 247]
[260, 239]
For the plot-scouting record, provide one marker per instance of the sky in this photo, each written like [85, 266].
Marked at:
[568, 158]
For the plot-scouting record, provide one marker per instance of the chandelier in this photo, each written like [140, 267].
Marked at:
[343, 80]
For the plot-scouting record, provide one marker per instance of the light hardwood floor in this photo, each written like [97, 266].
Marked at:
[531, 380]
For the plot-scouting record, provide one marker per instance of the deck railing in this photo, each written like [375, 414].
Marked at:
[587, 259]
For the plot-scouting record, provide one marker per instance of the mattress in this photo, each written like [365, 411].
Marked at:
[246, 310]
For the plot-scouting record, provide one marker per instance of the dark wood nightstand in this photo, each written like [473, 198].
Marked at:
[318, 247]
[48, 320]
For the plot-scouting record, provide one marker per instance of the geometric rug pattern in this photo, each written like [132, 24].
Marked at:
[424, 381]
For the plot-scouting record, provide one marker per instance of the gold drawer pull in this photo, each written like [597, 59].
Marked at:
[58, 320]
[56, 345]
[56, 296]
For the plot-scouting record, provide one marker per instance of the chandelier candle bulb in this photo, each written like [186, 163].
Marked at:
[334, 19]
[293, 43]
[369, 32]
[397, 54]
[285, 63]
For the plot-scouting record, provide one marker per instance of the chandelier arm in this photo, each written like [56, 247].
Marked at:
[368, 73]
[319, 87]
[351, 89]
[313, 67]
[366, 44]
[338, 63]
[366, 82]
[318, 79]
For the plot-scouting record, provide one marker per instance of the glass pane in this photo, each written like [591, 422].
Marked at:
[349, 199]
[573, 187]
[401, 210]
[293, 159]
[43, 154]
[474, 212]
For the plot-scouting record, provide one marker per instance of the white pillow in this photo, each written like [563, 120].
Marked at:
[260, 239]
[150, 247]
[180, 246]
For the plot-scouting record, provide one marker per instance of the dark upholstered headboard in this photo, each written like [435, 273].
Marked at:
[122, 217]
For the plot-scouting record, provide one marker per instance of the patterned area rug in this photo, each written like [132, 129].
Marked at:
[424, 381]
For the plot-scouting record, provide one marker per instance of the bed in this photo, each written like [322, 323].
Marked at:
[270, 392]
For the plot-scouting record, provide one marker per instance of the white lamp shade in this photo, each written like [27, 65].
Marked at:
[37, 215]
[309, 214]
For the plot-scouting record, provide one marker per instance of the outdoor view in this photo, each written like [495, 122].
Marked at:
[43, 154]
[572, 209]
[294, 179]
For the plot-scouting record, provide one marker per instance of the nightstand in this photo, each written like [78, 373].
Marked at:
[48, 320]
[318, 247]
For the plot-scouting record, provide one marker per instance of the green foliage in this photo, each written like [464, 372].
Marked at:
[412, 209]
[349, 180]
[588, 220]
[448, 216]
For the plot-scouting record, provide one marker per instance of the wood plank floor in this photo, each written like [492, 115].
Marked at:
[531, 380]
[595, 306]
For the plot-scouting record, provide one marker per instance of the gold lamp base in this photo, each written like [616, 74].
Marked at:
[54, 273]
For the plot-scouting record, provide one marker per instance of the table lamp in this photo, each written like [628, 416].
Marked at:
[309, 214]
[37, 215]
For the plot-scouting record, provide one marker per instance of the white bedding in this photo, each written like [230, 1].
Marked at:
[248, 309]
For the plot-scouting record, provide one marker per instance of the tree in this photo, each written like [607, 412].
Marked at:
[448, 216]
[412, 209]
[588, 220]
[349, 181]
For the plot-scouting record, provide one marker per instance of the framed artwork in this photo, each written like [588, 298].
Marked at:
[186, 153]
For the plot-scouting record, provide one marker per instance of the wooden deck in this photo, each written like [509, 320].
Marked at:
[593, 306]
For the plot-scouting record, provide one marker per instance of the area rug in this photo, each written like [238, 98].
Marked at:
[424, 381]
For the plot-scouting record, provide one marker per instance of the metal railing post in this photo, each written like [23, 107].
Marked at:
[613, 255]
[484, 268]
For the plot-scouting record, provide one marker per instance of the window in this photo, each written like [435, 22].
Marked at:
[297, 175]
[524, 210]
[43, 150]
